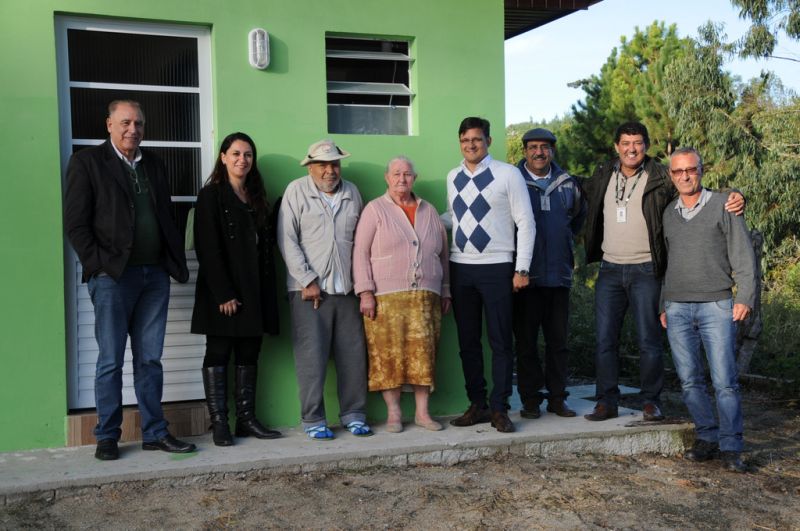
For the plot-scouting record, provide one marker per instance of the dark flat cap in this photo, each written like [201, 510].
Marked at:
[539, 134]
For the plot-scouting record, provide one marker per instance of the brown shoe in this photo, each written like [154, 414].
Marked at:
[501, 422]
[651, 412]
[560, 408]
[474, 415]
[602, 412]
[530, 409]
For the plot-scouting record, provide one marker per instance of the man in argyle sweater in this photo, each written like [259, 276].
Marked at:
[491, 218]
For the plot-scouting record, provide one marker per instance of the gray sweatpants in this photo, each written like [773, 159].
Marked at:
[334, 329]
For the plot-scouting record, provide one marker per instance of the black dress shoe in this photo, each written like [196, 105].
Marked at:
[530, 410]
[474, 415]
[701, 451]
[732, 462]
[501, 422]
[560, 408]
[602, 412]
[650, 412]
[245, 428]
[107, 450]
[168, 443]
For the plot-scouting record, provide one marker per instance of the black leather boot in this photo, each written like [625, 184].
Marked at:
[215, 380]
[246, 421]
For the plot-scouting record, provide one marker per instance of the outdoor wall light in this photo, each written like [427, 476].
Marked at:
[258, 45]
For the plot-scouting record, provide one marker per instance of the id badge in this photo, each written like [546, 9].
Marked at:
[545, 202]
[622, 214]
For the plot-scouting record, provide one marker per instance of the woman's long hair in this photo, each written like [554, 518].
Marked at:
[253, 183]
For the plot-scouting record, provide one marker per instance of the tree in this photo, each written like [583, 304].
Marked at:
[701, 98]
[565, 146]
[630, 86]
[747, 132]
[769, 18]
[748, 136]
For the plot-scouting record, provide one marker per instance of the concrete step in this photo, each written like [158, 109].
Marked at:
[53, 472]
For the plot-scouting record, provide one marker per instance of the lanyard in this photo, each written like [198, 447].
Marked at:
[621, 189]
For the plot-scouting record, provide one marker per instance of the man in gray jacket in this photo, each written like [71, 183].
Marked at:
[316, 225]
[708, 250]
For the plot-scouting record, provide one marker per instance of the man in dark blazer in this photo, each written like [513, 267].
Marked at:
[117, 218]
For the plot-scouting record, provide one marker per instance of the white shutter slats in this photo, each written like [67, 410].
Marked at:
[181, 359]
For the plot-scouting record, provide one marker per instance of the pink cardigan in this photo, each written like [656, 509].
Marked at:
[390, 255]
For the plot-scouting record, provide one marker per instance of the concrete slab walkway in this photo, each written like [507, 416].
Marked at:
[45, 472]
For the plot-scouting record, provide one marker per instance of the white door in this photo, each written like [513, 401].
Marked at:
[168, 70]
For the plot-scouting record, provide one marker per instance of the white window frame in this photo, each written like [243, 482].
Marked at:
[367, 88]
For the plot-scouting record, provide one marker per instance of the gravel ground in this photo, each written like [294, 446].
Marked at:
[581, 491]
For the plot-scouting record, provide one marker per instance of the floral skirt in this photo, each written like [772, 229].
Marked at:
[403, 338]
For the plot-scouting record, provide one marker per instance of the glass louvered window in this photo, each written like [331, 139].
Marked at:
[167, 69]
[369, 89]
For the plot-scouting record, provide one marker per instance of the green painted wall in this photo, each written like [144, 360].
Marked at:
[458, 46]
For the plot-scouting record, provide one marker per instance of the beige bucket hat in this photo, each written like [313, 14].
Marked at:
[323, 151]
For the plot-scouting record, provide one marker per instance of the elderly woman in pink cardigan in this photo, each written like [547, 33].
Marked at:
[400, 268]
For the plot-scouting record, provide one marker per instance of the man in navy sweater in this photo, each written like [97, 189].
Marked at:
[708, 251]
[559, 208]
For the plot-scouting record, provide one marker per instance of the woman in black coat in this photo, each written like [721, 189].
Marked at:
[235, 297]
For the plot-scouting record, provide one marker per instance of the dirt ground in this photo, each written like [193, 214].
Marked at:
[582, 491]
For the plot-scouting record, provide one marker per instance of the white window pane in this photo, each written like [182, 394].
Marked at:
[368, 120]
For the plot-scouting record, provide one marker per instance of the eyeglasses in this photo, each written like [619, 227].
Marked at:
[680, 172]
[538, 147]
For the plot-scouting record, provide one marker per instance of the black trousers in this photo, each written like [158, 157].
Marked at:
[219, 348]
[478, 290]
[548, 309]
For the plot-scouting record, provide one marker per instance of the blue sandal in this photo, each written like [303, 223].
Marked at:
[360, 429]
[319, 433]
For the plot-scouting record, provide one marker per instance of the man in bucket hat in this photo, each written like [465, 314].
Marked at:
[316, 224]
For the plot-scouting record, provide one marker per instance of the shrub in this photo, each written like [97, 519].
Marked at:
[778, 350]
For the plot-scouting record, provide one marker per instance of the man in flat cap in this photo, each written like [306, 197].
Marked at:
[316, 224]
[559, 208]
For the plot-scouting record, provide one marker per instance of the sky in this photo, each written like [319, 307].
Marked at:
[541, 62]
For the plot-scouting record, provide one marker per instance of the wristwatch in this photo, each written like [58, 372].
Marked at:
[522, 272]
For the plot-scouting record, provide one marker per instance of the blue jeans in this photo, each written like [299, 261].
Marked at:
[136, 304]
[619, 286]
[689, 324]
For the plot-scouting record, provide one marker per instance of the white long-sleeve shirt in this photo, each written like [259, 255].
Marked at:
[486, 209]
